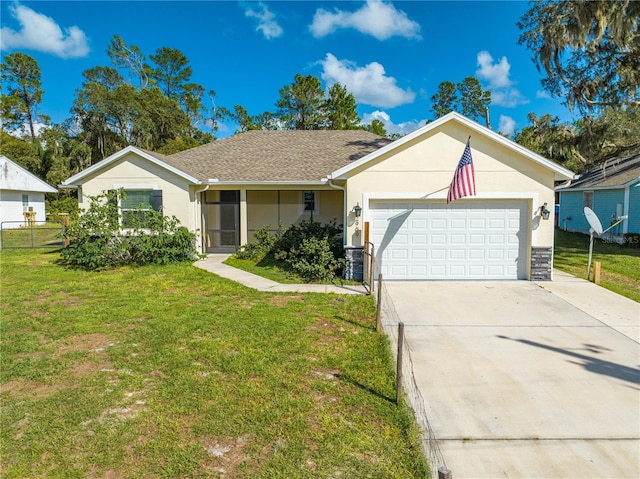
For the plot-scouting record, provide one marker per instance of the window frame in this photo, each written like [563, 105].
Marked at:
[304, 201]
[152, 205]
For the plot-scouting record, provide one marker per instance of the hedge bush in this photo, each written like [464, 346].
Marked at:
[310, 249]
[96, 239]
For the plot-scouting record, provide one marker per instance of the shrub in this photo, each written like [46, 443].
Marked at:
[263, 245]
[310, 249]
[314, 260]
[97, 240]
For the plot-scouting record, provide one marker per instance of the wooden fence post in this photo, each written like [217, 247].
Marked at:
[444, 473]
[379, 305]
[596, 272]
[399, 362]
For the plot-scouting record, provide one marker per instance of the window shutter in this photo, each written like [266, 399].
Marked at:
[156, 200]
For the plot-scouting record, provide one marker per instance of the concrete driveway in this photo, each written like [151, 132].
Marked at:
[524, 379]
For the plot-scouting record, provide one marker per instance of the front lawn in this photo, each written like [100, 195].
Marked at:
[620, 265]
[170, 371]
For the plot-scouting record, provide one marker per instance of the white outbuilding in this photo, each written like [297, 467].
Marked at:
[21, 195]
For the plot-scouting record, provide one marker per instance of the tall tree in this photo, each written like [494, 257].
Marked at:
[446, 100]
[301, 104]
[340, 108]
[170, 72]
[614, 133]
[20, 75]
[474, 101]
[547, 136]
[589, 50]
[103, 108]
[128, 57]
[376, 127]
[466, 97]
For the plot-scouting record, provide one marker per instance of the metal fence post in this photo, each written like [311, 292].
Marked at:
[399, 362]
[372, 268]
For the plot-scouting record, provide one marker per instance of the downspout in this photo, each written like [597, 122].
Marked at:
[344, 209]
[197, 217]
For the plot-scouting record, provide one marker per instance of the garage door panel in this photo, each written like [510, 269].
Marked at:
[469, 240]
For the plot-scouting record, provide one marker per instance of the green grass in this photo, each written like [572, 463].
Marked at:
[620, 265]
[41, 236]
[269, 268]
[174, 372]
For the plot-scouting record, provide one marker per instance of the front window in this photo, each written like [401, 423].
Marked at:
[135, 206]
[587, 199]
[310, 202]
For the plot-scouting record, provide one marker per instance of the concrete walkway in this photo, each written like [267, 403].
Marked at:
[214, 263]
[527, 380]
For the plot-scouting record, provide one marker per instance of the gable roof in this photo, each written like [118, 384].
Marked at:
[15, 177]
[293, 156]
[616, 173]
[560, 172]
[155, 158]
[277, 155]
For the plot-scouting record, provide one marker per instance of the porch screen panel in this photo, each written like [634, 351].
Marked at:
[221, 219]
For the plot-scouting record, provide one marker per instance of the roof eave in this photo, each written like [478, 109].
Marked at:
[266, 183]
[605, 187]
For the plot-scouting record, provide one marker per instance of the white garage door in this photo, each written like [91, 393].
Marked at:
[475, 239]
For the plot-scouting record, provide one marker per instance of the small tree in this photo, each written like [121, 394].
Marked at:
[97, 239]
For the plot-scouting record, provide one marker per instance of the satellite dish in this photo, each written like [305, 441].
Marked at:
[593, 220]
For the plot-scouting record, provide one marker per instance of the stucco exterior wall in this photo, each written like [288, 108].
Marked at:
[133, 172]
[12, 207]
[424, 168]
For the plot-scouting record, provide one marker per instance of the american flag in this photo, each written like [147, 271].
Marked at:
[464, 181]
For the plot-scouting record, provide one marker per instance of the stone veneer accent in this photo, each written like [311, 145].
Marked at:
[541, 263]
[355, 263]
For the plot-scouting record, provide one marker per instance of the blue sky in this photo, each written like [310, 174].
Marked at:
[390, 55]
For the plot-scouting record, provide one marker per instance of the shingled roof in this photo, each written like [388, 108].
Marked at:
[611, 174]
[275, 156]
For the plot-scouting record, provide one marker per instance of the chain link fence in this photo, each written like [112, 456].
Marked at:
[31, 234]
[393, 327]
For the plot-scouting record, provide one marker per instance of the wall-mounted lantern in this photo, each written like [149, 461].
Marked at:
[544, 212]
[357, 211]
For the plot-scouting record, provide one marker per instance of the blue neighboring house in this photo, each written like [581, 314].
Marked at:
[611, 190]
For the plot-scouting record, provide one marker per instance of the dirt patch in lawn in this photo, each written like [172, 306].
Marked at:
[282, 300]
[225, 455]
[96, 342]
[23, 388]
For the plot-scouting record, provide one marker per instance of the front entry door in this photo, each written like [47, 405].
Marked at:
[221, 219]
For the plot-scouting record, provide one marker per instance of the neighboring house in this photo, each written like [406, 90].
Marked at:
[228, 189]
[611, 190]
[20, 192]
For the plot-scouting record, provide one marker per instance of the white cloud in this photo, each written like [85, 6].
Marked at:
[401, 128]
[266, 21]
[507, 125]
[376, 18]
[508, 97]
[543, 94]
[369, 84]
[41, 33]
[497, 74]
